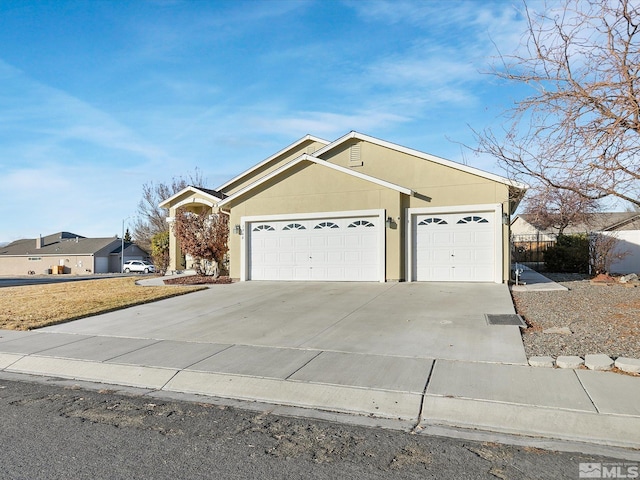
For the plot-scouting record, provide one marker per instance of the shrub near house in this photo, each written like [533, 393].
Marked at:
[569, 254]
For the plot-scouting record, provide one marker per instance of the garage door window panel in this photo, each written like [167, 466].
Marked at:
[435, 221]
[326, 225]
[294, 226]
[473, 219]
[262, 228]
[361, 223]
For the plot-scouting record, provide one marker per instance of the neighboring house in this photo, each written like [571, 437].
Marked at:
[625, 226]
[68, 253]
[360, 209]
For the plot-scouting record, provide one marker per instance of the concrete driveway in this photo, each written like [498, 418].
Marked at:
[419, 320]
[416, 356]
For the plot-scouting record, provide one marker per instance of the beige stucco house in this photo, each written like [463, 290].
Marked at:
[360, 209]
[66, 252]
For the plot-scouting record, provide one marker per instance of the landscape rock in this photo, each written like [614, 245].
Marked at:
[598, 361]
[629, 365]
[569, 361]
[543, 361]
[558, 330]
[632, 277]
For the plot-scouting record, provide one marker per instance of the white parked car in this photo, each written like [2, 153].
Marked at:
[138, 266]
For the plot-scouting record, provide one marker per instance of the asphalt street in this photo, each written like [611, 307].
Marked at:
[56, 430]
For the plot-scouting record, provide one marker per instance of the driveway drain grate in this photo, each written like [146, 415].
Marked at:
[505, 319]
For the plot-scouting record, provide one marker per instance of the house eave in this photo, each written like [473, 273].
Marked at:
[318, 161]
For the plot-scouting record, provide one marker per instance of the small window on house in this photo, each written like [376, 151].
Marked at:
[361, 223]
[473, 219]
[325, 225]
[261, 228]
[294, 226]
[434, 220]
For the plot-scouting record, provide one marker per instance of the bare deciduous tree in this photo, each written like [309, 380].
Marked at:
[557, 209]
[151, 219]
[204, 237]
[604, 252]
[580, 129]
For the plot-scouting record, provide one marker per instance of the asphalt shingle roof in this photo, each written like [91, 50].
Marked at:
[597, 222]
[61, 243]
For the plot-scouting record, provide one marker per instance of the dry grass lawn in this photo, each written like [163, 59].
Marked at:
[34, 306]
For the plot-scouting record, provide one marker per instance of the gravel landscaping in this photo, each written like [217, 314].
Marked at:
[602, 318]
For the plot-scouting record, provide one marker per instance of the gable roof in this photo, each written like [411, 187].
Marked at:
[597, 222]
[275, 155]
[59, 244]
[419, 154]
[47, 239]
[214, 195]
[318, 161]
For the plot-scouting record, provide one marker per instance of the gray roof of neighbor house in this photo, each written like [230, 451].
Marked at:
[61, 243]
[597, 222]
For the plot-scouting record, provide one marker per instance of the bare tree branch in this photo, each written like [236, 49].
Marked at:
[580, 129]
[151, 219]
[558, 209]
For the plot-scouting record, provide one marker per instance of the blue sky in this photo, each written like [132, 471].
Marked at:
[99, 97]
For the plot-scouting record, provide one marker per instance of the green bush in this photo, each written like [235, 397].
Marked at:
[570, 254]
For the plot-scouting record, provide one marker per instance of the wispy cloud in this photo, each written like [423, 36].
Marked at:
[326, 123]
[57, 118]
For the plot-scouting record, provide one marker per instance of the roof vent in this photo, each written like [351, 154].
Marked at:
[354, 156]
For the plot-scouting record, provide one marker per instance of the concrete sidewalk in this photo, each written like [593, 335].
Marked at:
[581, 406]
[532, 281]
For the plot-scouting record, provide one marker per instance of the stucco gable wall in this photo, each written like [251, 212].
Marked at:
[309, 146]
[521, 227]
[436, 185]
[309, 188]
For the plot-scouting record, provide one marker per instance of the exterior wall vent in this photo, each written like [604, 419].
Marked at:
[354, 156]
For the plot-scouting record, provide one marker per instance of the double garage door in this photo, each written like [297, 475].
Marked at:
[323, 249]
[458, 247]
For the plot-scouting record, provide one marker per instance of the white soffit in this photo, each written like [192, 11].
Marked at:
[165, 203]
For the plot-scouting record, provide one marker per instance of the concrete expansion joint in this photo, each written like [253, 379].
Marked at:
[598, 362]
[417, 426]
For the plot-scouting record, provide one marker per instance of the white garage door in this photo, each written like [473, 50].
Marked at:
[456, 247]
[326, 249]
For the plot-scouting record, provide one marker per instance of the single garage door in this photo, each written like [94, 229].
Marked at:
[325, 249]
[456, 247]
